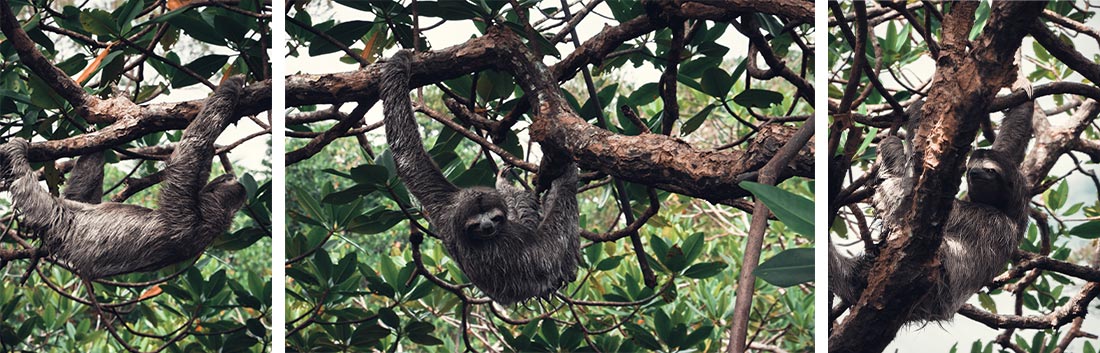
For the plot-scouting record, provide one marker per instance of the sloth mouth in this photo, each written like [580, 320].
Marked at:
[480, 235]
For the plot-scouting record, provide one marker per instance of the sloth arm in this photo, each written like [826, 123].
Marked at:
[417, 170]
[560, 215]
[523, 205]
[1015, 131]
[560, 221]
[189, 165]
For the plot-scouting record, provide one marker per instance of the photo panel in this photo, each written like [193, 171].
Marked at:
[962, 182]
[135, 176]
[549, 176]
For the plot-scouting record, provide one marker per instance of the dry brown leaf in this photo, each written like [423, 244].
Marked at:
[87, 73]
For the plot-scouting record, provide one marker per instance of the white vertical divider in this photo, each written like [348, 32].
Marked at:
[277, 53]
[821, 176]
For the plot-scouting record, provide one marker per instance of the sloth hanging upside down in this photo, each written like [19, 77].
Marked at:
[510, 244]
[98, 239]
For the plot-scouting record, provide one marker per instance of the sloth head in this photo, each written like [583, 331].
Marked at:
[481, 213]
[229, 195]
[990, 179]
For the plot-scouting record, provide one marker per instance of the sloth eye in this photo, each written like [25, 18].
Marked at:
[497, 219]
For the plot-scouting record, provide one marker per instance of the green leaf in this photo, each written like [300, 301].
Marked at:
[493, 85]
[204, 67]
[1056, 198]
[609, 263]
[549, 331]
[642, 337]
[28, 326]
[370, 174]
[705, 269]
[696, 68]
[420, 332]
[662, 325]
[197, 27]
[445, 9]
[659, 246]
[127, 12]
[215, 284]
[323, 262]
[349, 195]
[346, 33]
[238, 342]
[696, 120]
[375, 221]
[98, 22]
[758, 98]
[796, 212]
[176, 292]
[693, 246]
[194, 280]
[1087, 230]
[345, 268]
[697, 336]
[788, 268]
[368, 334]
[571, 338]
[643, 95]
[717, 83]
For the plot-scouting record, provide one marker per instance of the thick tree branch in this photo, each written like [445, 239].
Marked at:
[135, 121]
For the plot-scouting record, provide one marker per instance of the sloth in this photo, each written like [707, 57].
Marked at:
[100, 240]
[508, 242]
[982, 231]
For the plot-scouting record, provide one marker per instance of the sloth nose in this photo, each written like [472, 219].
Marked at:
[488, 228]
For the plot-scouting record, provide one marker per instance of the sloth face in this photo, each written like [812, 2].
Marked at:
[485, 225]
[480, 213]
[985, 178]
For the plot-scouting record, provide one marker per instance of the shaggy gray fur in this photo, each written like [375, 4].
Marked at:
[981, 232]
[507, 243]
[85, 182]
[105, 239]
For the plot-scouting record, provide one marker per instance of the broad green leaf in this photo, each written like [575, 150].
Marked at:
[758, 98]
[1087, 230]
[717, 83]
[705, 269]
[696, 120]
[98, 22]
[788, 268]
[796, 212]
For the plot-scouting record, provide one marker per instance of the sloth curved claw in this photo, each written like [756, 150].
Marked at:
[1024, 84]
